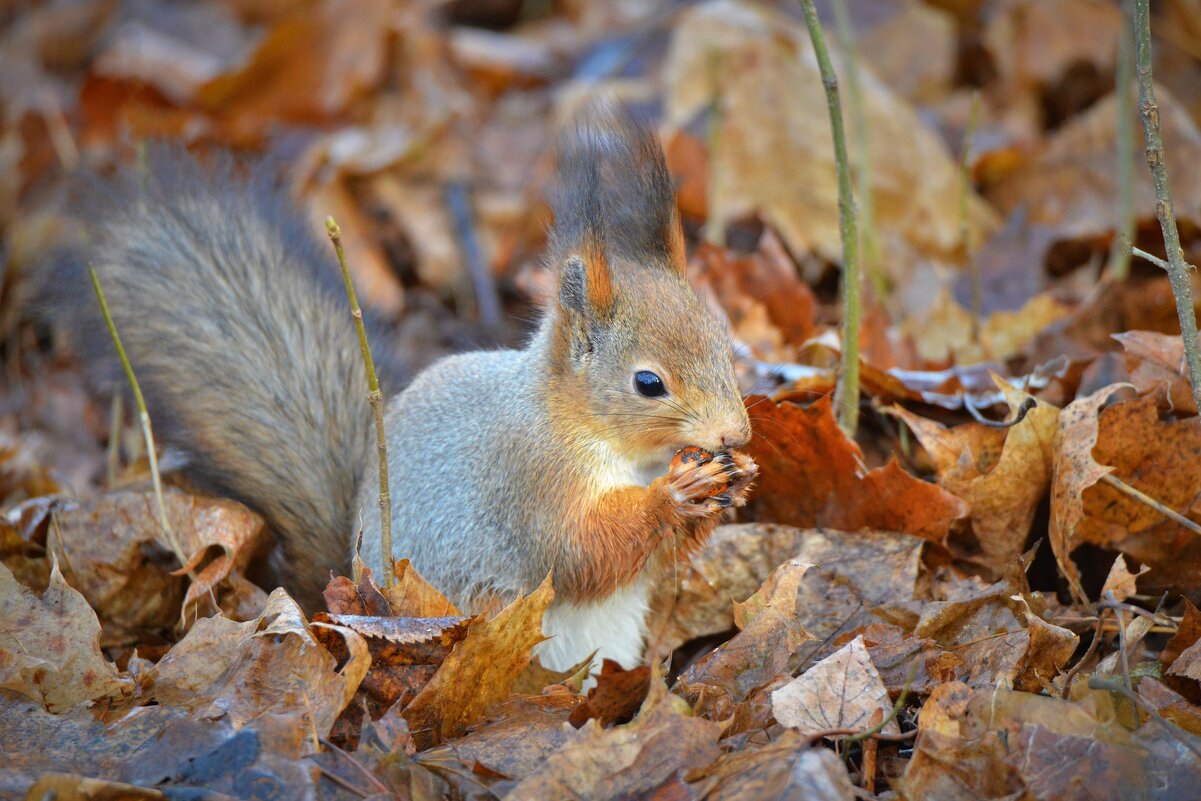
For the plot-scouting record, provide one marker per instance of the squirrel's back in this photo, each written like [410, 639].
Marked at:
[242, 341]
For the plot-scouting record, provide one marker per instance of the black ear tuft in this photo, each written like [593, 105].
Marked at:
[614, 193]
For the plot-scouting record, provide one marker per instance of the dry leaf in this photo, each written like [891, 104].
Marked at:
[787, 767]
[50, 646]
[626, 761]
[480, 671]
[1074, 471]
[842, 691]
[811, 474]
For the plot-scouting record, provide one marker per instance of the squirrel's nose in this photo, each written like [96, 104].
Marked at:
[736, 437]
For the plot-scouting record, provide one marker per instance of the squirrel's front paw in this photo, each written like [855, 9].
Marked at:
[701, 484]
[740, 471]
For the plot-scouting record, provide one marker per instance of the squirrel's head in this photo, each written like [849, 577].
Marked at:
[650, 368]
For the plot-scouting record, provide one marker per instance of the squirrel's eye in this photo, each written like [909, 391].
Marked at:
[648, 384]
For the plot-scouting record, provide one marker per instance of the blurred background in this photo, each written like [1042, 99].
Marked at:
[985, 130]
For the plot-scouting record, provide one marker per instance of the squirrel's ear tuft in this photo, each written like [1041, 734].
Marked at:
[614, 193]
[585, 286]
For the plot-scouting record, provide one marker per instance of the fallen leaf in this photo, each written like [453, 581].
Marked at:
[787, 767]
[413, 596]
[802, 447]
[617, 695]
[480, 670]
[1155, 359]
[1074, 471]
[842, 691]
[1001, 474]
[625, 761]
[1120, 581]
[1155, 456]
[50, 646]
[758, 653]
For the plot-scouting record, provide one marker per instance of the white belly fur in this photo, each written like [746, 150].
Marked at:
[614, 627]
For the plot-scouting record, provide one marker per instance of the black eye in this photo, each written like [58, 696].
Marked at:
[648, 384]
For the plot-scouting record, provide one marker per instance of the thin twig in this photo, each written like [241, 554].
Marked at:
[1142, 497]
[965, 225]
[376, 398]
[1119, 253]
[847, 391]
[1023, 410]
[144, 417]
[1092, 649]
[1178, 273]
[862, 159]
[486, 299]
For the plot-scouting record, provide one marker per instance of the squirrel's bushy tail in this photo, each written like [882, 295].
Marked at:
[243, 342]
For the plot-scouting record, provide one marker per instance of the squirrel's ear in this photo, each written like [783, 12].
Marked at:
[614, 195]
[585, 285]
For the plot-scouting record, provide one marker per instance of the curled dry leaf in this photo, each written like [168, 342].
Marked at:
[115, 551]
[231, 670]
[811, 474]
[50, 646]
[1120, 581]
[1155, 359]
[480, 670]
[1074, 471]
[1002, 474]
[843, 691]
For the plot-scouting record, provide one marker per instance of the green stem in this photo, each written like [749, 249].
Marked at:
[1178, 273]
[847, 392]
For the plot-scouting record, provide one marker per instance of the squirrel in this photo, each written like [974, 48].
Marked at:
[504, 465]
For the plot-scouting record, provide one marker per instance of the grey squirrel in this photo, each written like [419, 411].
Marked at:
[504, 465]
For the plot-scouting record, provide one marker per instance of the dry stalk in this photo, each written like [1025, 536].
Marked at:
[376, 398]
[1178, 272]
[144, 418]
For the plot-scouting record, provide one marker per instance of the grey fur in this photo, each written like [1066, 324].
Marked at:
[242, 342]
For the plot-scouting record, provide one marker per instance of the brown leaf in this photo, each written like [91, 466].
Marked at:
[310, 65]
[1159, 457]
[625, 761]
[521, 736]
[1154, 359]
[802, 447]
[617, 695]
[949, 763]
[842, 691]
[1074, 471]
[906, 662]
[853, 573]
[759, 652]
[1001, 474]
[787, 767]
[233, 670]
[116, 553]
[1120, 581]
[480, 671]
[50, 646]
[413, 596]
